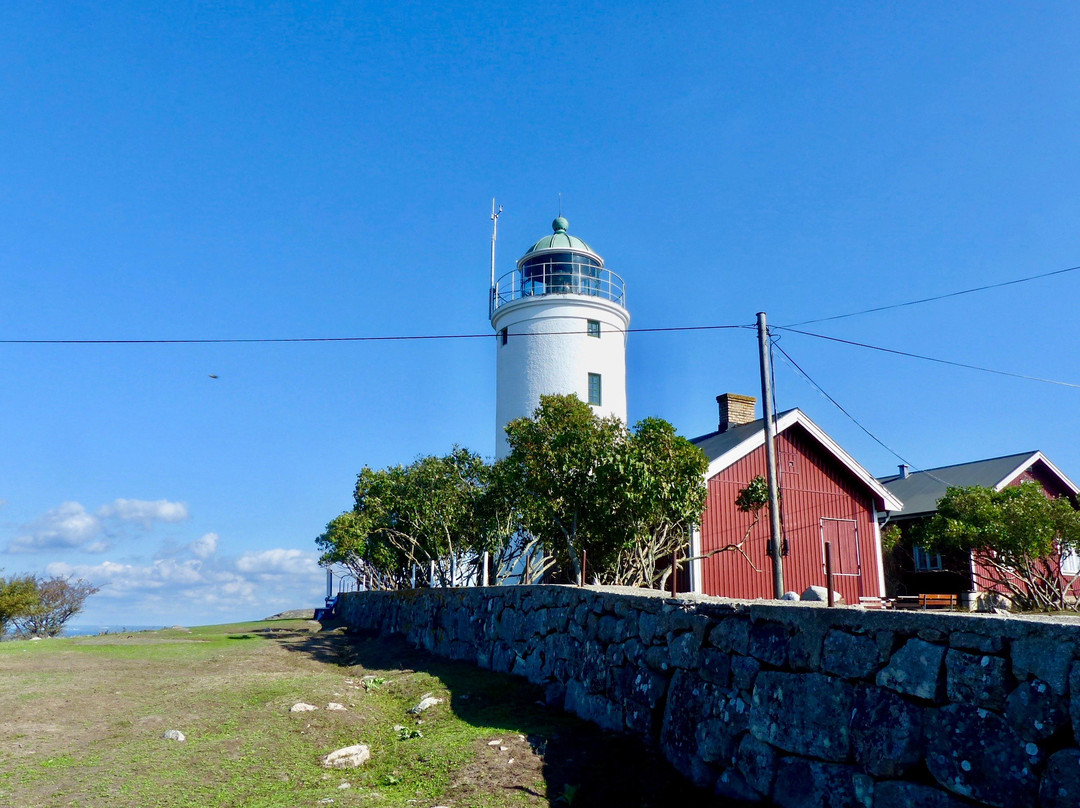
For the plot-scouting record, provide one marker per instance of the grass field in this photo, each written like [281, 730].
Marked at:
[81, 721]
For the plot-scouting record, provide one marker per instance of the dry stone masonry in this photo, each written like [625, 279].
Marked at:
[787, 704]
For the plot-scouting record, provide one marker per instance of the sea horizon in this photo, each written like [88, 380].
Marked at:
[92, 629]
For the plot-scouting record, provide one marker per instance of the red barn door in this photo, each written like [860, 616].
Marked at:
[847, 566]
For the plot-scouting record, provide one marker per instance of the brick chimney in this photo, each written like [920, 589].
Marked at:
[735, 410]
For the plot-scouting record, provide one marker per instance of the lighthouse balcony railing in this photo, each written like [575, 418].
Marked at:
[558, 279]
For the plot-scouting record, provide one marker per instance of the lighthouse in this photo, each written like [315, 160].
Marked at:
[560, 323]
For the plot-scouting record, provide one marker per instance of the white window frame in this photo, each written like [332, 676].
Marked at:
[1070, 563]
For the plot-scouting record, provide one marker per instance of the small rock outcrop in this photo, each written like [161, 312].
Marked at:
[173, 735]
[302, 707]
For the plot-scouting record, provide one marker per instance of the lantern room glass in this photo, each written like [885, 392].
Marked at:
[561, 273]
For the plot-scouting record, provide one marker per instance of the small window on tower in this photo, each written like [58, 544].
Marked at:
[594, 328]
[503, 336]
[594, 389]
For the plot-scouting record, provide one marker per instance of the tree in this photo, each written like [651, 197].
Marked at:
[659, 493]
[345, 542]
[431, 510]
[18, 596]
[582, 484]
[58, 600]
[1019, 535]
[558, 476]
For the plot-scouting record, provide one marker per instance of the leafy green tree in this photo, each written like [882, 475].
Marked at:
[58, 600]
[585, 486]
[1019, 535]
[430, 510]
[559, 477]
[658, 485]
[18, 596]
[501, 534]
[345, 542]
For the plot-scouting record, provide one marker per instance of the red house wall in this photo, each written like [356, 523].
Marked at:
[814, 487]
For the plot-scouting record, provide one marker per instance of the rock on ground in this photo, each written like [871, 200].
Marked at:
[819, 594]
[425, 703]
[302, 707]
[173, 735]
[347, 757]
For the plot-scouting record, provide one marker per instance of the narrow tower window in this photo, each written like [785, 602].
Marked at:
[594, 328]
[502, 336]
[594, 389]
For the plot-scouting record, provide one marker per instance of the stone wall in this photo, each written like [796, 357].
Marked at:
[794, 704]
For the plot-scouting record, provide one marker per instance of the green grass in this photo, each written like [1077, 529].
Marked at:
[81, 722]
[229, 689]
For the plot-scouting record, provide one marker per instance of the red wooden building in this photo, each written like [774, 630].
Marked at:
[825, 495]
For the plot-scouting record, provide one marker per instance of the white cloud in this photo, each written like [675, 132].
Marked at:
[71, 526]
[204, 546]
[208, 587]
[190, 581]
[278, 562]
[66, 526]
[144, 511]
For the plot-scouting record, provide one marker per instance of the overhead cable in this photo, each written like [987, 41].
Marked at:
[398, 338]
[851, 417]
[938, 297]
[929, 358]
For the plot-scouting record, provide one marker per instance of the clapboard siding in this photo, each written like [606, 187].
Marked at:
[817, 493]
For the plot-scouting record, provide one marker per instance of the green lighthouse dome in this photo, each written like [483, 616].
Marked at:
[560, 240]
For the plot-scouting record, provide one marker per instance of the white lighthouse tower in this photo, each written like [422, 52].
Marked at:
[560, 320]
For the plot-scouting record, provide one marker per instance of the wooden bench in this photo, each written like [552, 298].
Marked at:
[925, 602]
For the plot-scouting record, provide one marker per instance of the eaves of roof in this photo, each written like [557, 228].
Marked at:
[921, 490]
[726, 448]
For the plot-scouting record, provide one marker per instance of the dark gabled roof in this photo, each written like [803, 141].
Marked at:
[717, 443]
[921, 490]
[724, 448]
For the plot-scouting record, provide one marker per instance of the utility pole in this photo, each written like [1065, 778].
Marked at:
[775, 541]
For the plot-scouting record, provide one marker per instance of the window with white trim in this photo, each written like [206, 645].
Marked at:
[1070, 563]
[593, 328]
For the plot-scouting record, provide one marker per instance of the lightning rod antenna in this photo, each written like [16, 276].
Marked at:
[494, 234]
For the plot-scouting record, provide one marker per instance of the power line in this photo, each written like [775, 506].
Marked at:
[398, 338]
[929, 358]
[938, 297]
[851, 417]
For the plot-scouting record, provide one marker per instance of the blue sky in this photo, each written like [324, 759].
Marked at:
[277, 170]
